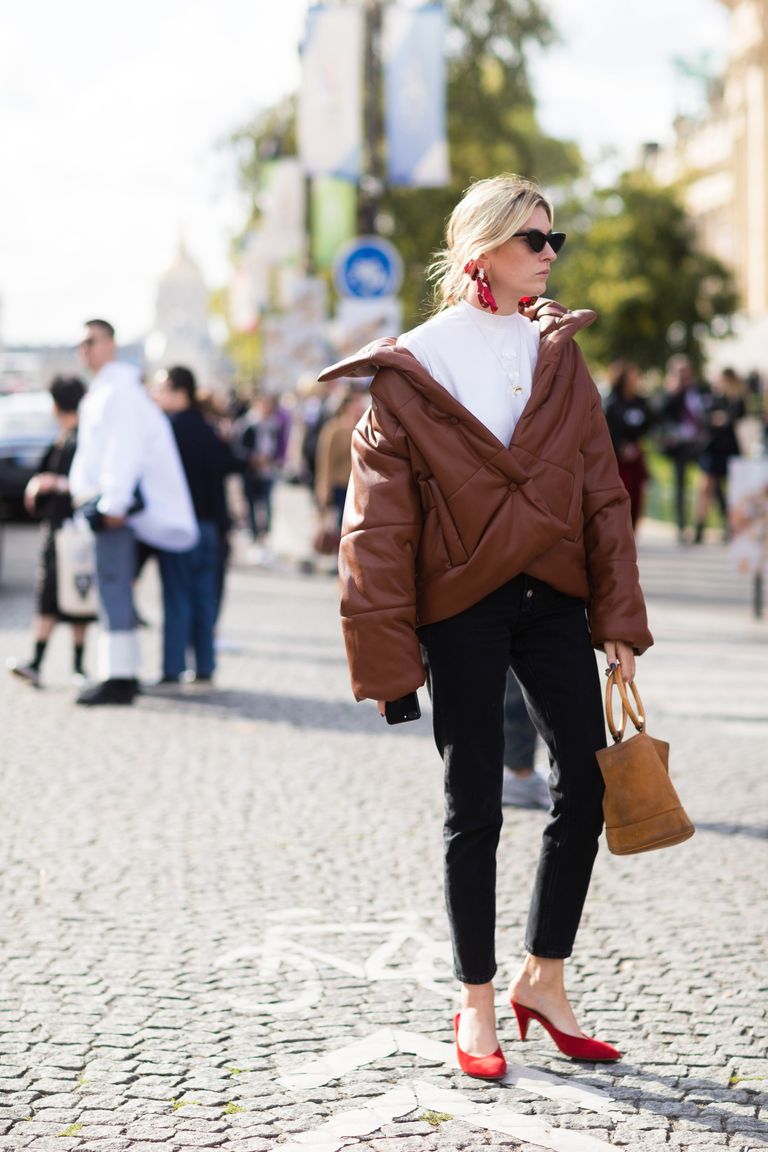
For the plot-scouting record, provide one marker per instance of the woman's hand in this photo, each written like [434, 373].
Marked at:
[381, 705]
[618, 652]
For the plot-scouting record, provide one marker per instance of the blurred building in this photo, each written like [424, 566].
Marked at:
[722, 157]
[181, 332]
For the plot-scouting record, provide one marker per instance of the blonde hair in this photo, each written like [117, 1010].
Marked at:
[488, 214]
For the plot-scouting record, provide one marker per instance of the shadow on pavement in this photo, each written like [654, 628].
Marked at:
[723, 828]
[298, 711]
[672, 1107]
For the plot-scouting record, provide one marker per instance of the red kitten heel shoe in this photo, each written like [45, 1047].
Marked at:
[491, 1067]
[577, 1047]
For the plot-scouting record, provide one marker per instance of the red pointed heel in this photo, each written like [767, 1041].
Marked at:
[577, 1047]
[491, 1067]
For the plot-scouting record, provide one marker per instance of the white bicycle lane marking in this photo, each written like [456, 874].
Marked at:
[390, 1042]
[289, 955]
[407, 1098]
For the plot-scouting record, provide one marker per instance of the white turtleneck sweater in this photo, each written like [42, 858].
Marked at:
[482, 359]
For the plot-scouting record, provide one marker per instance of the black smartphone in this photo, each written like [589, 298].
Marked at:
[406, 708]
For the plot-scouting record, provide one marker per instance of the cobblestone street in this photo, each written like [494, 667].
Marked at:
[222, 921]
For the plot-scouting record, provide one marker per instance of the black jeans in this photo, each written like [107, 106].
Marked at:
[543, 635]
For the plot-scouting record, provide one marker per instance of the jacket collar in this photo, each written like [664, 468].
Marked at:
[391, 364]
[383, 359]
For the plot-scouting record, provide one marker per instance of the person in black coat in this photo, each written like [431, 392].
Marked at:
[47, 496]
[725, 408]
[192, 580]
[681, 428]
[629, 417]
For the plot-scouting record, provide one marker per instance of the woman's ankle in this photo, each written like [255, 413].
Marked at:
[477, 1020]
[478, 996]
[539, 976]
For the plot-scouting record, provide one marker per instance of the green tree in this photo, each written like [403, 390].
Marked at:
[632, 256]
[269, 136]
[491, 128]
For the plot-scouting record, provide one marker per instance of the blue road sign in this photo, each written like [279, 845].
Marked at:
[367, 267]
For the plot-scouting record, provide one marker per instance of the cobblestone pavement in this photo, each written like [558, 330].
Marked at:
[222, 922]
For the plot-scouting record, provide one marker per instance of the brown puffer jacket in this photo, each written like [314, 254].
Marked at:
[439, 513]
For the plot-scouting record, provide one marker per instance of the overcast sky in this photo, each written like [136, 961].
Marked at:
[110, 117]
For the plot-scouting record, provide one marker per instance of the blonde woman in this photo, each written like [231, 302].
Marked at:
[486, 527]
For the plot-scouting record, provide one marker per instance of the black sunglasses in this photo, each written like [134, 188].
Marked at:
[535, 239]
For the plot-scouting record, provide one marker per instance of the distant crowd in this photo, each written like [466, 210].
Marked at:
[149, 466]
[145, 469]
[698, 426]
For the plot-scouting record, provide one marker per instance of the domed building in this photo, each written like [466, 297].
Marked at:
[181, 329]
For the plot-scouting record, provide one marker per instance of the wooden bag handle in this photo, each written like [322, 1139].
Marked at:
[616, 680]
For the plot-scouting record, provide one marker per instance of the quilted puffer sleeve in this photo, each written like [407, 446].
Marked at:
[377, 562]
[616, 607]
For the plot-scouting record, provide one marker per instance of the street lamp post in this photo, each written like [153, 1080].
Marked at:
[372, 181]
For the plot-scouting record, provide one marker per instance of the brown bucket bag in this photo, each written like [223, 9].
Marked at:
[641, 807]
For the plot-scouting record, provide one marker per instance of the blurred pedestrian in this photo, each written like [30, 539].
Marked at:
[316, 408]
[219, 414]
[190, 579]
[726, 407]
[522, 786]
[486, 527]
[127, 477]
[262, 441]
[47, 496]
[681, 429]
[334, 458]
[629, 418]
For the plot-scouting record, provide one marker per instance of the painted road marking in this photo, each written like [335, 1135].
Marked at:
[407, 1098]
[289, 955]
[390, 1042]
[497, 1118]
[329, 1137]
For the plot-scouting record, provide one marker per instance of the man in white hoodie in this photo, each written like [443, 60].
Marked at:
[127, 471]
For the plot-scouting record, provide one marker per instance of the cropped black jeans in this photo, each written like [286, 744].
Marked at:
[543, 636]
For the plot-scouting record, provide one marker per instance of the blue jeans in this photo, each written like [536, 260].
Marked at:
[258, 497]
[190, 595]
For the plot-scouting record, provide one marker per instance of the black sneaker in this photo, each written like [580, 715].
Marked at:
[109, 692]
[24, 672]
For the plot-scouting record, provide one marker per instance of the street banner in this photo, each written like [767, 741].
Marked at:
[333, 218]
[330, 110]
[283, 210]
[413, 59]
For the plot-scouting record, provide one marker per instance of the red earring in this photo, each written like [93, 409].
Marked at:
[484, 294]
[483, 284]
